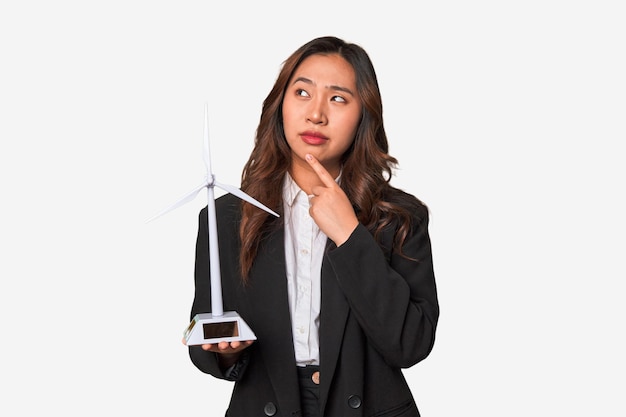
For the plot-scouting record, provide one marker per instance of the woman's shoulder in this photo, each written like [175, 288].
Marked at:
[226, 205]
[408, 202]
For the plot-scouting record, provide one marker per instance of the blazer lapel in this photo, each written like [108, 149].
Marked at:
[268, 310]
[334, 314]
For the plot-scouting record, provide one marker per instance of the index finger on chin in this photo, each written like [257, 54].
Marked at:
[319, 169]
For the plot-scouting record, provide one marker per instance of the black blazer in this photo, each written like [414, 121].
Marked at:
[379, 313]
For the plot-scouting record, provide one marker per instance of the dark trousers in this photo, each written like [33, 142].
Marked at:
[309, 391]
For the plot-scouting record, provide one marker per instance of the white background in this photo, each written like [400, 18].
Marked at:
[508, 119]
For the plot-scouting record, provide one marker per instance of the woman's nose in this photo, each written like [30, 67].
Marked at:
[317, 112]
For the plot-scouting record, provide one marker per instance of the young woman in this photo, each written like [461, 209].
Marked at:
[339, 290]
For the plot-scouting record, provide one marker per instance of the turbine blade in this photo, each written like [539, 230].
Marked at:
[184, 200]
[236, 191]
[206, 154]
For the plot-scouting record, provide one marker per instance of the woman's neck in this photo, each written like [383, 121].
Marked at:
[306, 178]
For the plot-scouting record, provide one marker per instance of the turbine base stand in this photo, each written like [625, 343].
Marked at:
[206, 328]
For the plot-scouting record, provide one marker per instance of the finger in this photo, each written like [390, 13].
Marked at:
[321, 172]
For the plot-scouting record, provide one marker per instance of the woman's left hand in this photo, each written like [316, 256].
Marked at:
[329, 206]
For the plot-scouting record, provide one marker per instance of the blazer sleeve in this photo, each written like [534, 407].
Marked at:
[393, 298]
[205, 361]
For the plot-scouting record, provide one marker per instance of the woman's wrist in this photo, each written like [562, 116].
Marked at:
[226, 360]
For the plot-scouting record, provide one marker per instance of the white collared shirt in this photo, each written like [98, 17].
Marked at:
[304, 250]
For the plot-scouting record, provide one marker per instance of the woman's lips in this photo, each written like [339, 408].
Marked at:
[312, 138]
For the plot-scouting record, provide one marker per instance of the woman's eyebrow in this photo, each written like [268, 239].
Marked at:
[331, 87]
[340, 88]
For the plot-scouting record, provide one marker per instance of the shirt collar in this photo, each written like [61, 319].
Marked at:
[290, 190]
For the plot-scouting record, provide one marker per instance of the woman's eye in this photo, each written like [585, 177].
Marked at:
[338, 99]
[302, 93]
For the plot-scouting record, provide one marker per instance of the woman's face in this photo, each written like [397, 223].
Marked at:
[321, 111]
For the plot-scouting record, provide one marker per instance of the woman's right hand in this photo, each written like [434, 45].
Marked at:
[228, 352]
[228, 348]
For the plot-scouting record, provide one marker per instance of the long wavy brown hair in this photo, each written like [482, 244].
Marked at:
[367, 167]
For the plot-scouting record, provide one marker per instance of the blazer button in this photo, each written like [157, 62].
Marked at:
[354, 401]
[316, 377]
[270, 409]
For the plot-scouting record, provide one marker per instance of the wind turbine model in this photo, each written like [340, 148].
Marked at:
[218, 325]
